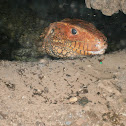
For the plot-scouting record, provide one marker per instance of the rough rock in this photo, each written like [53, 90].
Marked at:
[107, 7]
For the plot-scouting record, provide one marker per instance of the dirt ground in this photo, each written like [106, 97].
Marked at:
[80, 92]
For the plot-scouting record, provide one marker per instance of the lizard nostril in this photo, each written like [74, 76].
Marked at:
[96, 45]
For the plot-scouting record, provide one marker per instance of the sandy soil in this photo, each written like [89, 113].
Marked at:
[79, 92]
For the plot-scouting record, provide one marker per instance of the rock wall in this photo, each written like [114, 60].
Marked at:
[107, 7]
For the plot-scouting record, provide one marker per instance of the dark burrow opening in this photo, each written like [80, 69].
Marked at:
[22, 22]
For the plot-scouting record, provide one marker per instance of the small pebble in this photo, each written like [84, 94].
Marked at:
[68, 123]
[73, 99]
[89, 66]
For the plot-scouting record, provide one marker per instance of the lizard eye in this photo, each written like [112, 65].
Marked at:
[74, 31]
[52, 31]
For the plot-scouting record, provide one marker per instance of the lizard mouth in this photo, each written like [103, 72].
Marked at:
[101, 51]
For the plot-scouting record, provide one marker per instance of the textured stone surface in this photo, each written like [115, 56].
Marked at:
[107, 7]
[123, 6]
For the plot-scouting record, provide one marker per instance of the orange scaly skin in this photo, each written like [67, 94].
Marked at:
[73, 38]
